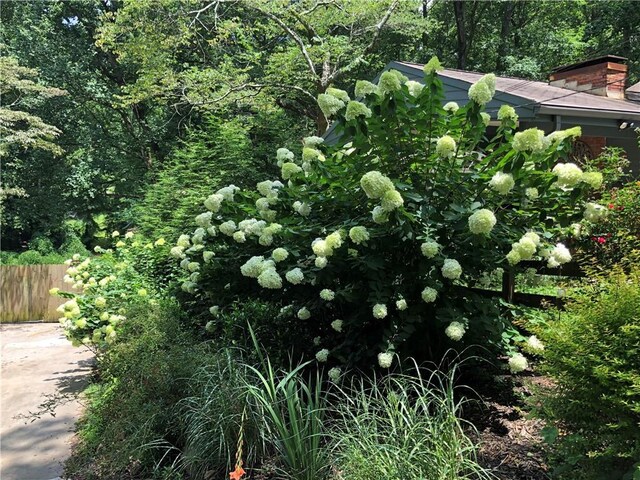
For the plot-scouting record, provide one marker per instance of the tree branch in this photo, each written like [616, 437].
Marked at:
[296, 38]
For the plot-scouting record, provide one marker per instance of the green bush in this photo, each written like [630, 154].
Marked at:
[616, 238]
[592, 353]
[30, 257]
[130, 423]
[372, 242]
[42, 245]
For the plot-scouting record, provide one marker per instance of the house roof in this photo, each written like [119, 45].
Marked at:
[549, 99]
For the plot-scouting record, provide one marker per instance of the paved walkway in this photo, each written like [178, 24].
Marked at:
[38, 365]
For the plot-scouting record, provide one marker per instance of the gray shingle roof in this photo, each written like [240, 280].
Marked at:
[545, 95]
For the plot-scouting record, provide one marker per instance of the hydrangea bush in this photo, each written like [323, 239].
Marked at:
[373, 242]
[103, 287]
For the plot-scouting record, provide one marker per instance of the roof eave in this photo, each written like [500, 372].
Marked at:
[587, 112]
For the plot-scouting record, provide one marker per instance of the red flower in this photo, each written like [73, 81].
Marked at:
[611, 206]
[237, 474]
[601, 240]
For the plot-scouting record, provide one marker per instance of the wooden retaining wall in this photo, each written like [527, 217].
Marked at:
[24, 292]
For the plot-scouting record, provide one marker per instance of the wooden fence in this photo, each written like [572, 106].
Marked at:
[24, 292]
[508, 291]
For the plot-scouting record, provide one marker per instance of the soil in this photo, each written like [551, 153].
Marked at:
[510, 439]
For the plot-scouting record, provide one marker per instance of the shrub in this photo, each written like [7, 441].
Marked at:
[109, 283]
[592, 352]
[615, 239]
[42, 245]
[373, 241]
[402, 426]
[130, 423]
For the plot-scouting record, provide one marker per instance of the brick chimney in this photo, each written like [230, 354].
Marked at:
[604, 76]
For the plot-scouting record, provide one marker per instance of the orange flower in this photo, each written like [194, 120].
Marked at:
[237, 473]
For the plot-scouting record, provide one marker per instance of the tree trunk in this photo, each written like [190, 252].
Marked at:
[505, 33]
[458, 10]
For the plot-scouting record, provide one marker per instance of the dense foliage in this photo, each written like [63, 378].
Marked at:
[592, 354]
[367, 282]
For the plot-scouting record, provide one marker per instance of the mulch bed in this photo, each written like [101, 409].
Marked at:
[510, 440]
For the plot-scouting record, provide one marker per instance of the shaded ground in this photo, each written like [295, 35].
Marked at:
[41, 373]
[511, 443]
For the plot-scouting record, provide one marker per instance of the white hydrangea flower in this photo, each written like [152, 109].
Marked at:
[321, 262]
[207, 256]
[455, 331]
[401, 304]
[569, 175]
[322, 355]
[358, 234]
[204, 219]
[530, 140]
[184, 241]
[391, 200]
[432, 66]
[114, 234]
[429, 294]
[228, 192]
[193, 266]
[283, 154]
[294, 276]
[559, 255]
[334, 374]
[507, 112]
[429, 248]
[532, 193]
[379, 311]
[213, 202]
[321, 248]
[263, 203]
[364, 87]
[327, 294]
[451, 269]
[534, 237]
[356, 109]
[518, 363]
[269, 278]
[375, 185]
[480, 92]
[525, 248]
[329, 104]
[593, 179]
[265, 240]
[334, 240]
[279, 254]
[513, 257]
[414, 87]
[301, 208]
[337, 325]
[304, 313]
[389, 82]
[212, 231]
[535, 344]
[502, 183]
[312, 141]
[486, 118]
[239, 237]
[594, 213]
[252, 267]
[385, 359]
[228, 227]
[289, 169]
[451, 107]
[482, 222]
[177, 252]
[214, 310]
[446, 147]
[380, 215]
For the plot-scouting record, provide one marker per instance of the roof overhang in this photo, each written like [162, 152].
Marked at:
[584, 112]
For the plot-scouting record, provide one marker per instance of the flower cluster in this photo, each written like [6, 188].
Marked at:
[455, 331]
[483, 90]
[482, 222]
[502, 183]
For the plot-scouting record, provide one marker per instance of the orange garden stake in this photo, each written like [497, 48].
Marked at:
[239, 472]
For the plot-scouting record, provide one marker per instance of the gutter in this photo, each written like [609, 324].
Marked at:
[586, 112]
